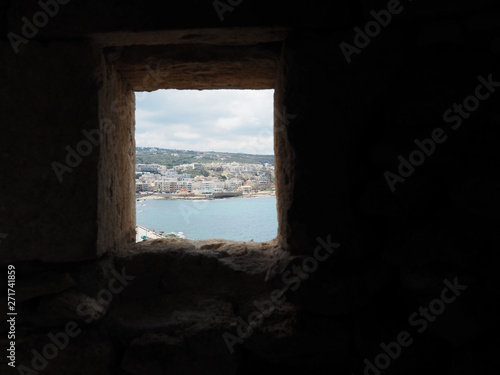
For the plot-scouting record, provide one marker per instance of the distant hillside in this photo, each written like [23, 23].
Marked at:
[171, 158]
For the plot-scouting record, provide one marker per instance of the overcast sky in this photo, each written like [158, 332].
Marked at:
[208, 120]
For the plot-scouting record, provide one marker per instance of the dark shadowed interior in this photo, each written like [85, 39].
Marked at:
[386, 129]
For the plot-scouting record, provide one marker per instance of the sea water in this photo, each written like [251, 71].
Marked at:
[240, 219]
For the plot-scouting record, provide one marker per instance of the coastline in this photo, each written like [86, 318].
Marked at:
[201, 197]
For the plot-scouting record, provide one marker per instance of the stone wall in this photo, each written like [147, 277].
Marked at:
[393, 243]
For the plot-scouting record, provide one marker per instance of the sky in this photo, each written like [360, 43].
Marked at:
[207, 120]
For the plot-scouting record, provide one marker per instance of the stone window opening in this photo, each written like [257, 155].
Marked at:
[129, 70]
[173, 124]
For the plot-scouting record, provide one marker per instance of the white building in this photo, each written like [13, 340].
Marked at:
[233, 183]
[188, 185]
[167, 185]
[141, 186]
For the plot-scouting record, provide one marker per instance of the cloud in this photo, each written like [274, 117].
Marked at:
[208, 120]
[228, 123]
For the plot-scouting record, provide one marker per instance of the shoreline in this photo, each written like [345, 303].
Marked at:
[201, 197]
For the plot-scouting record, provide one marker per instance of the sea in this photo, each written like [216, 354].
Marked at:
[239, 219]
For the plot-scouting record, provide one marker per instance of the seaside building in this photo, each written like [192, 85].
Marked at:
[254, 176]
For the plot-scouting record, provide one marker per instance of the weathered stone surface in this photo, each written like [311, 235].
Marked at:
[457, 325]
[378, 201]
[484, 21]
[68, 306]
[478, 196]
[44, 284]
[426, 242]
[231, 269]
[340, 288]
[161, 353]
[46, 219]
[342, 118]
[495, 45]
[185, 316]
[442, 32]
[93, 277]
[473, 360]
[422, 280]
[87, 353]
[177, 335]
[245, 36]
[287, 336]
[199, 67]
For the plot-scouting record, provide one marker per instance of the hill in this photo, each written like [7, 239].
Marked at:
[171, 158]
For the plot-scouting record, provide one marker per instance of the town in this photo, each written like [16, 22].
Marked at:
[215, 179]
